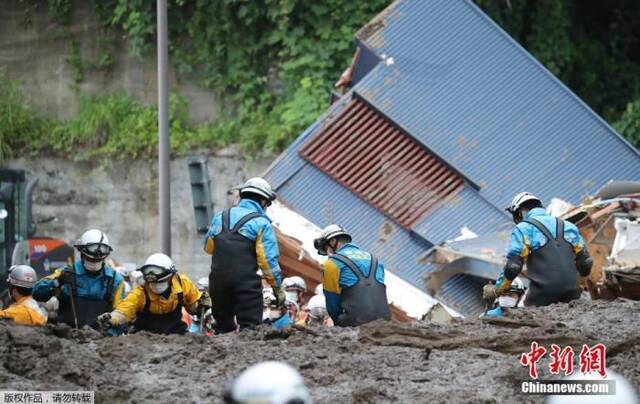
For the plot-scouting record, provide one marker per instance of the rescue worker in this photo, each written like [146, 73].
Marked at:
[294, 288]
[270, 312]
[89, 288]
[268, 382]
[126, 270]
[316, 309]
[23, 310]
[241, 240]
[510, 299]
[353, 282]
[552, 248]
[200, 322]
[157, 306]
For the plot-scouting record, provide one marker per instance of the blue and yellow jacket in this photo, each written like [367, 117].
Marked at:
[258, 230]
[90, 287]
[338, 276]
[525, 237]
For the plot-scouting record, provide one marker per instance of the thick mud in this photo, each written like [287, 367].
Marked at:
[467, 361]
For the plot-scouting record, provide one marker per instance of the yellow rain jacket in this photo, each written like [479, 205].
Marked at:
[25, 311]
[136, 301]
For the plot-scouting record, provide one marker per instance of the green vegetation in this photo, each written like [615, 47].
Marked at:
[629, 124]
[275, 61]
[112, 126]
[592, 46]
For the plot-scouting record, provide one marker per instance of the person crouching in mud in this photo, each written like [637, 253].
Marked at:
[510, 299]
[553, 249]
[353, 281]
[23, 310]
[157, 305]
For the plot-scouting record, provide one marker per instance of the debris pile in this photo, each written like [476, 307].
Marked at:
[609, 224]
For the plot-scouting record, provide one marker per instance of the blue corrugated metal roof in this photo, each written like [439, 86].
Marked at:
[460, 86]
[468, 209]
[461, 293]
[471, 94]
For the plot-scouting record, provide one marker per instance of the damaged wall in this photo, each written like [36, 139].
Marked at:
[120, 198]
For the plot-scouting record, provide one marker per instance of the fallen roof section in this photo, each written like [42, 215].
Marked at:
[298, 257]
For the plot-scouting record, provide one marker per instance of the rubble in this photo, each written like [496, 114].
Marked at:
[609, 223]
[468, 360]
[611, 230]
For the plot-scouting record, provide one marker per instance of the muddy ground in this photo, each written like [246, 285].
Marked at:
[467, 361]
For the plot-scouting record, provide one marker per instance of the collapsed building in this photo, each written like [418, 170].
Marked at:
[443, 119]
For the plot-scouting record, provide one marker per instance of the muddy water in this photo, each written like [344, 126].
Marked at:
[467, 361]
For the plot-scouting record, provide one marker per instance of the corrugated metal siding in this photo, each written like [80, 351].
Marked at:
[324, 201]
[368, 155]
[460, 85]
[289, 162]
[463, 293]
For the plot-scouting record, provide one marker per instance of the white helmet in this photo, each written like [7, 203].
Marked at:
[136, 279]
[158, 268]
[317, 307]
[258, 186]
[294, 283]
[22, 276]
[508, 300]
[268, 297]
[94, 244]
[329, 232]
[517, 285]
[268, 382]
[203, 283]
[319, 290]
[520, 199]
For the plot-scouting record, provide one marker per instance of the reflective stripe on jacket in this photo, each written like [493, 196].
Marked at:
[259, 230]
[135, 301]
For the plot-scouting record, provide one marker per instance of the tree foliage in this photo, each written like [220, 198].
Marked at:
[592, 46]
[276, 59]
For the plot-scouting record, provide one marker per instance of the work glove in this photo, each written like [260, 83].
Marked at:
[281, 296]
[66, 277]
[205, 301]
[104, 321]
[112, 319]
[489, 292]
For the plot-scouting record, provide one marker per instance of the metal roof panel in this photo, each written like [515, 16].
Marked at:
[459, 84]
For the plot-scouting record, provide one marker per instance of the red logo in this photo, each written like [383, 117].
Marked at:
[532, 358]
[561, 360]
[592, 359]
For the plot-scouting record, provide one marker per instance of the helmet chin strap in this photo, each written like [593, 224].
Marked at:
[517, 216]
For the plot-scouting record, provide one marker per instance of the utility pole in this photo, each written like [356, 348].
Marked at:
[164, 186]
